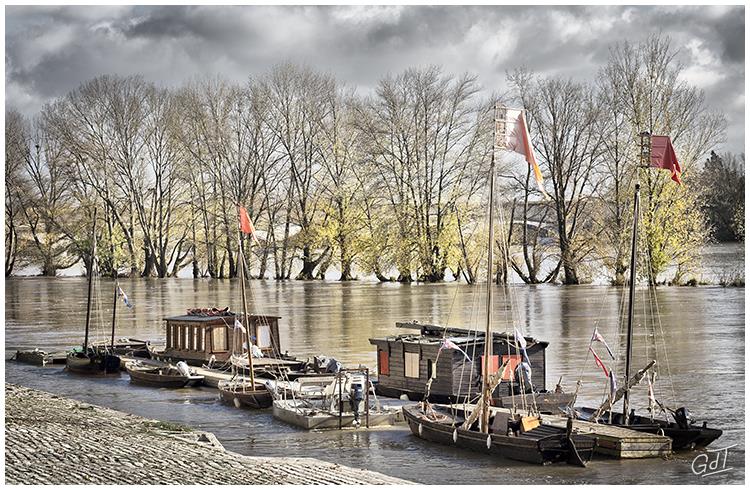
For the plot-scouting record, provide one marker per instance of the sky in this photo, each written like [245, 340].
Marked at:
[51, 50]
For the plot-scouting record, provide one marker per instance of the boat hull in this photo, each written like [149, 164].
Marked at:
[550, 447]
[92, 363]
[311, 420]
[692, 437]
[257, 398]
[152, 377]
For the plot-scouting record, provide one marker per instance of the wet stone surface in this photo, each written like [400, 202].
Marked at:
[55, 440]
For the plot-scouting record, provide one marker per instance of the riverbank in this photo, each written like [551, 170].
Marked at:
[55, 440]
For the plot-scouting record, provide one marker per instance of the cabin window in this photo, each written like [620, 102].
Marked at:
[510, 368]
[494, 366]
[264, 336]
[383, 366]
[411, 364]
[194, 338]
[175, 337]
[431, 369]
[219, 338]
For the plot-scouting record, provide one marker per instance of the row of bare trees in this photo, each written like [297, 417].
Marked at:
[391, 184]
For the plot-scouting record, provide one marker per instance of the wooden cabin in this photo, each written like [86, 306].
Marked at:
[407, 361]
[201, 334]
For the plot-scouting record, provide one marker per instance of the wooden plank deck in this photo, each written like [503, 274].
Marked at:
[613, 441]
[618, 442]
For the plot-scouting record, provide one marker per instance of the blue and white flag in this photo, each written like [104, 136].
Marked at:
[124, 297]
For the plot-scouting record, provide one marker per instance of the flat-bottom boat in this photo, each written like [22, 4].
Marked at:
[162, 376]
[244, 394]
[540, 445]
[299, 413]
[92, 361]
[685, 434]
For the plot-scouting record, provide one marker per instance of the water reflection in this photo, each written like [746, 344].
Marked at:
[703, 329]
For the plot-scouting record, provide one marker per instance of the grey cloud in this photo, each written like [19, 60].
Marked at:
[51, 50]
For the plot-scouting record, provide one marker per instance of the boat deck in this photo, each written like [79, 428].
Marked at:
[618, 442]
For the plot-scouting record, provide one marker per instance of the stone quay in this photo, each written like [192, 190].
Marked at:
[50, 439]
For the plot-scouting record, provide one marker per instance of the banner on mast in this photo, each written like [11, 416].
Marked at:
[512, 133]
[663, 156]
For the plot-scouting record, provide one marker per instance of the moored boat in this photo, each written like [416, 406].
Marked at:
[244, 393]
[166, 376]
[540, 444]
[344, 401]
[683, 430]
[90, 359]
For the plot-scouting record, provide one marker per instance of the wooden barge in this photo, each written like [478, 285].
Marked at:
[406, 362]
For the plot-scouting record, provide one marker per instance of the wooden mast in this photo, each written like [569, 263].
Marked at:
[114, 276]
[244, 304]
[486, 387]
[645, 151]
[91, 283]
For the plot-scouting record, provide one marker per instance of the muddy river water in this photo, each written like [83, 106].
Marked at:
[697, 334]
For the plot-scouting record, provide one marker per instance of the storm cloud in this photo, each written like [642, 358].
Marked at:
[51, 50]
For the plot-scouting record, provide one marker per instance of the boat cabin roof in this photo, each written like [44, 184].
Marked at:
[212, 318]
[434, 334]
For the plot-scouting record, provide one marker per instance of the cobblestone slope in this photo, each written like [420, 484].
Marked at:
[54, 440]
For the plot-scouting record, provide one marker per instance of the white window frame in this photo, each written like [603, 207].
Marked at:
[411, 364]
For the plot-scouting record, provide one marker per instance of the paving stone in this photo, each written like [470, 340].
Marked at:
[53, 440]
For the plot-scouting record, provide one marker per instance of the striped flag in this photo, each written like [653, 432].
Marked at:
[599, 363]
[597, 337]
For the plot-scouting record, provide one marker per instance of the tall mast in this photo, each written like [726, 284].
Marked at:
[488, 327]
[91, 283]
[114, 276]
[244, 306]
[645, 150]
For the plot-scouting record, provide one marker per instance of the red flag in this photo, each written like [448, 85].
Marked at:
[600, 363]
[663, 156]
[246, 226]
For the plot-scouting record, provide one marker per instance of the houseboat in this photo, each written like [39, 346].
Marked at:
[207, 337]
[406, 362]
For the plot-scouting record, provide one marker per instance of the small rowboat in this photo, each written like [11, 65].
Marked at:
[161, 376]
[245, 394]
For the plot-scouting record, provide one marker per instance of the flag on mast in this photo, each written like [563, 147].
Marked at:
[521, 343]
[600, 363]
[124, 297]
[597, 337]
[246, 225]
[515, 137]
[449, 344]
[663, 156]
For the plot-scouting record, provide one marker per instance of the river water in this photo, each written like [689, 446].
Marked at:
[702, 329]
